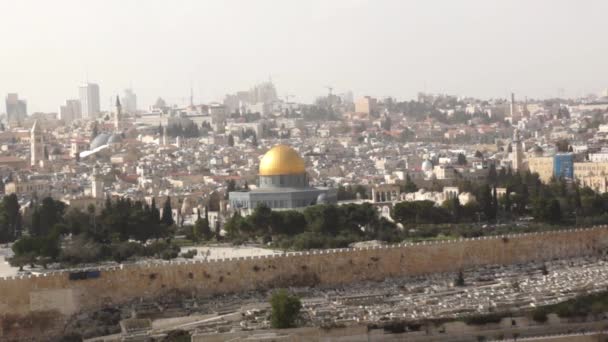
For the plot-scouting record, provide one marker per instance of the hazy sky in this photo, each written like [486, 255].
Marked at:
[481, 48]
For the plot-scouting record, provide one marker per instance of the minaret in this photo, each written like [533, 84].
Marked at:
[517, 154]
[36, 144]
[117, 115]
[514, 110]
[96, 184]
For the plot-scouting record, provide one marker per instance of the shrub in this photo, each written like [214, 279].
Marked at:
[190, 254]
[177, 336]
[285, 309]
[81, 250]
[539, 316]
[485, 319]
[124, 250]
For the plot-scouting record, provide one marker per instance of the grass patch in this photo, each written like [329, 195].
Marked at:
[596, 303]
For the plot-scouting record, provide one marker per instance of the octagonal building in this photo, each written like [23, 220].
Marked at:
[282, 184]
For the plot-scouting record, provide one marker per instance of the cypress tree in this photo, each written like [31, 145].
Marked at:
[167, 217]
[494, 203]
[154, 211]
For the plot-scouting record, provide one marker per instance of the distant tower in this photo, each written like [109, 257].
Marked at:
[164, 139]
[117, 115]
[89, 100]
[191, 97]
[96, 184]
[524, 111]
[518, 153]
[513, 110]
[36, 144]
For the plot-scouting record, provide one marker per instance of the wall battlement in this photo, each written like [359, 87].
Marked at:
[64, 294]
[293, 254]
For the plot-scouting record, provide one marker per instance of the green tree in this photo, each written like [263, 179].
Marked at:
[11, 217]
[236, 226]
[492, 176]
[51, 212]
[201, 229]
[324, 219]
[409, 185]
[263, 220]
[177, 336]
[554, 211]
[293, 222]
[154, 211]
[562, 145]
[230, 186]
[507, 201]
[35, 228]
[454, 207]
[285, 309]
[459, 279]
[494, 202]
[420, 212]
[487, 202]
[167, 217]
[523, 199]
[462, 159]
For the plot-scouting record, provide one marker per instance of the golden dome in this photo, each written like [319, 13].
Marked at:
[281, 160]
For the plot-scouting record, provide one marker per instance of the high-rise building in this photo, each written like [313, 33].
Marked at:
[263, 93]
[514, 110]
[367, 105]
[16, 109]
[563, 165]
[71, 111]
[129, 101]
[218, 117]
[89, 100]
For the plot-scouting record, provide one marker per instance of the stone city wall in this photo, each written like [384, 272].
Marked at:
[31, 303]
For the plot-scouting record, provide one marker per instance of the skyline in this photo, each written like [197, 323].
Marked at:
[388, 48]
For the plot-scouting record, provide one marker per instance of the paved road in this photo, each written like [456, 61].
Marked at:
[531, 333]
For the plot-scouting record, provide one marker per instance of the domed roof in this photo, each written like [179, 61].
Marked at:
[281, 160]
[115, 139]
[100, 140]
[536, 149]
[427, 165]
